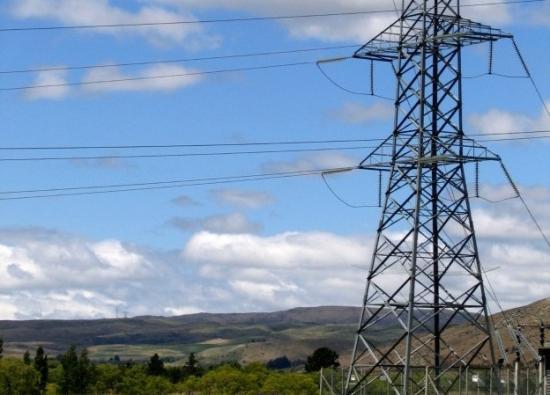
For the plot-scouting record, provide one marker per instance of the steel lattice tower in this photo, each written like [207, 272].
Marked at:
[426, 235]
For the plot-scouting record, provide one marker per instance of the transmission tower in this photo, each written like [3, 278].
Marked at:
[425, 274]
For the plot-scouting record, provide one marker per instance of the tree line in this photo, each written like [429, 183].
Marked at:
[73, 373]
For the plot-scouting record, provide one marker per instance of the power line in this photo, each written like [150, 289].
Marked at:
[117, 188]
[515, 139]
[179, 155]
[180, 60]
[260, 143]
[163, 76]
[223, 153]
[246, 144]
[530, 76]
[238, 19]
[525, 205]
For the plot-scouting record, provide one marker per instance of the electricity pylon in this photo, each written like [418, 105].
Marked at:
[425, 274]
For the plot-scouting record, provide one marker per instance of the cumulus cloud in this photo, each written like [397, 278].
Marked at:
[496, 120]
[358, 113]
[357, 28]
[170, 77]
[325, 160]
[55, 85]
[224, 223]
[242, 198]
[541, 15]
[76, 12]
[52, 86]
[49, 274]
[185, 201]
[509, 219]
[53, 274]
[292, 249]
[282, 270]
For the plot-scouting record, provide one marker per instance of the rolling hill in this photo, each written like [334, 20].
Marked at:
[219, 337]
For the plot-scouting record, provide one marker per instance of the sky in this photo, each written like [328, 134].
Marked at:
[255, 246]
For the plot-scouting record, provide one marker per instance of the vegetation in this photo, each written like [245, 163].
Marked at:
[322, 358]
[73, 373]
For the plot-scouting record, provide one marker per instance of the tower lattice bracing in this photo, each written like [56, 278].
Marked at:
[425, 274]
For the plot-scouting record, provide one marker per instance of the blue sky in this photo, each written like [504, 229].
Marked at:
[238, 247]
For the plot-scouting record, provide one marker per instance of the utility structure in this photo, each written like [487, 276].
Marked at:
[425, 273]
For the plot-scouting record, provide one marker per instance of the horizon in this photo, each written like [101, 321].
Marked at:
[255, 246]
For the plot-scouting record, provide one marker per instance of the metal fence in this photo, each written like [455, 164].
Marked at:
[515, 380]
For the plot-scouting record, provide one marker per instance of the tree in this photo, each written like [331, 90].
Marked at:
[323, 357]
[86, 372]
[289, 384]
[41, 366]
[27, 358]
[279, 363]
[192, 365]
[227, 380]
[17, 378]
[155, 367]
[107, 377]
[69, 362]
[77, 372]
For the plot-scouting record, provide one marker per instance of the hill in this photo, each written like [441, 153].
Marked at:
[215, 337]
[218, 337]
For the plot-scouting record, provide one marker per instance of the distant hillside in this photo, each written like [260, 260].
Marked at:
[218, 337]
[528, 317]
[215, 337]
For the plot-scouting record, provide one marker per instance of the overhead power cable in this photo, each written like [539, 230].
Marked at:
[207, 145]
[181, 155]
[117, 188]
[238, 19]
[152, 77]
[247, 144]
[222, 153]
[179, 60]
[525, 205]
[530, 76]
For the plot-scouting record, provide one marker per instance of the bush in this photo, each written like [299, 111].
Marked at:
[18, 378]
[289, 384]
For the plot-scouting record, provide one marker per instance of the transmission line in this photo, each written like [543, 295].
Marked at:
[116, 188]
[180, 60]
[257, 143]
[180, 155]
[238, 19]
[163, 76]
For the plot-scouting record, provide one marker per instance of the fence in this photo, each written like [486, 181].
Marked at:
[516, 380]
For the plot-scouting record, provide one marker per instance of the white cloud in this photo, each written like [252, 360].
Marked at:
[283, 270]
[104, 12]
[286, 250]
[359, 113]
[541, 16]
[325, 160]
[356, 28]
[497, 121]
[50, 274]
[509, 219]
[223, 223]
[161, 77]
[45, 261]
[184, 201]
[181, 310]
[53, 86]
[243, 198]
[173, 77]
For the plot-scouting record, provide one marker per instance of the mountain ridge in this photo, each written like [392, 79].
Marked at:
[216, 337]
